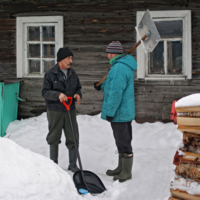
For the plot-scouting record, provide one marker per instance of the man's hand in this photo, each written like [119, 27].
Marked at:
[97, 87]
[62, 97]
[78, 98]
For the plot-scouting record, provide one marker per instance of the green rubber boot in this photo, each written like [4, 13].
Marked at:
[118, 169]
[72, 160]
[54, 153]
[127, 163]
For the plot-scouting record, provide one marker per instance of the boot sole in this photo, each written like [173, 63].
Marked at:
[73, 170]
[122, 180]
[113, 174]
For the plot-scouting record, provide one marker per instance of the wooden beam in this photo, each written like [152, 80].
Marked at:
[172, 198]
[187, 109]
[184, 195]
[189, 129]
[188, 158]
[188, 121]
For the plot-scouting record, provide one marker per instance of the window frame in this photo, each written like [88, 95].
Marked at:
[142, 58]
[21, 40]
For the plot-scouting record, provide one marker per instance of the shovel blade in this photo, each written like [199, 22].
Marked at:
[147, 25]
[93, 182]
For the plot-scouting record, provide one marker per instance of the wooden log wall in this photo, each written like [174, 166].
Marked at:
[89, 25]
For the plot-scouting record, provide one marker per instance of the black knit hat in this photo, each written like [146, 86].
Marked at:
[63, 53]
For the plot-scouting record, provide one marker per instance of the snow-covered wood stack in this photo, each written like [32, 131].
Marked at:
[186, 184]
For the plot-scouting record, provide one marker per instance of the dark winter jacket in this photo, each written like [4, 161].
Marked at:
[54, 84]
[118, 90]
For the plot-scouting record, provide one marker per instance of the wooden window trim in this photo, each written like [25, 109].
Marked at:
[21, 24]
[187, 49]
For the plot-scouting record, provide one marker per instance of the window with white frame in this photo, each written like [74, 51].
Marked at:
[38, 40]
[171, 59]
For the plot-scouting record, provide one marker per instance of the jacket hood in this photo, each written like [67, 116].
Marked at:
[127, 60]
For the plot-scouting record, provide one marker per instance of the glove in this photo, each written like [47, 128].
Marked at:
[109, 118]
[97, 87]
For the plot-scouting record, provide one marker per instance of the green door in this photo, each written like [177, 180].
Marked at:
[9, 104]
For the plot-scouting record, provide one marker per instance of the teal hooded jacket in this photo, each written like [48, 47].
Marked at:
[118, 90]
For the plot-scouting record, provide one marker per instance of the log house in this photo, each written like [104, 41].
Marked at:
[87, 27]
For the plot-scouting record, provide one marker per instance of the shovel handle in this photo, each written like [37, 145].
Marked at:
[67, 105]
[130, 51]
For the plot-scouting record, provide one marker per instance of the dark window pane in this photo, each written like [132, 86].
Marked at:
[48, 33]
[47, 65]
[33, 50]
[170, 29]
[33, 33]
[34, 67]
[156, 60]
[174, 51]
[48, 51]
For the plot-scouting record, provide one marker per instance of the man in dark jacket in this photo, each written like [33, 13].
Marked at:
[60, 82]
[118, 106]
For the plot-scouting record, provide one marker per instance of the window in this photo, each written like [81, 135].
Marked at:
[171, 58]
[38, 40]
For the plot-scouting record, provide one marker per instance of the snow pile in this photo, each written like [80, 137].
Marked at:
[190, 186]
[27, 175]
[188, 101]
[154, 147]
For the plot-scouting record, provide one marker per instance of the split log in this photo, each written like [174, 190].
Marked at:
[188, 171]
[189, 114]
[191, 139]
[188, 121]
[188, 158]
[190, 148]
[187, 109]
[180, 187]
[172, 198]
[184, 195]
[191, 142]
[191, 135]
[190, 129]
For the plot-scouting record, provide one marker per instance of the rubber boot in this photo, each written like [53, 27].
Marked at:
[72, 160]
[54, 153]
[118, 169]
[127, 163]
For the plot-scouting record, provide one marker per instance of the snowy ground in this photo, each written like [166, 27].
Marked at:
[27, 173]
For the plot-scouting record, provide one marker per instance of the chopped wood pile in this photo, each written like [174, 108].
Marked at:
[186, 184]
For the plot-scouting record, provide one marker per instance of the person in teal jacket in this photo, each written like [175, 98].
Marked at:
[119, 106]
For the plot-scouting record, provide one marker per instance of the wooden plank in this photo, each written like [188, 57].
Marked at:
[190, 129]
[7, 24]
[187, 158]
[187, 109]
[172, 198]
[184, 195]
[188, 121]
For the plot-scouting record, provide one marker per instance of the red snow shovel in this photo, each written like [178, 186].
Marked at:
[85, 181]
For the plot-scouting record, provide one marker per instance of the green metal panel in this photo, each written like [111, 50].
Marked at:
[9, 104]
[1, 109]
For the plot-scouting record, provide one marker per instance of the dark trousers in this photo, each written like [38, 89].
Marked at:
[122, 132]
[57, 122]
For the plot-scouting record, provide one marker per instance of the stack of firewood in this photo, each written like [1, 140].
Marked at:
[186, 185]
